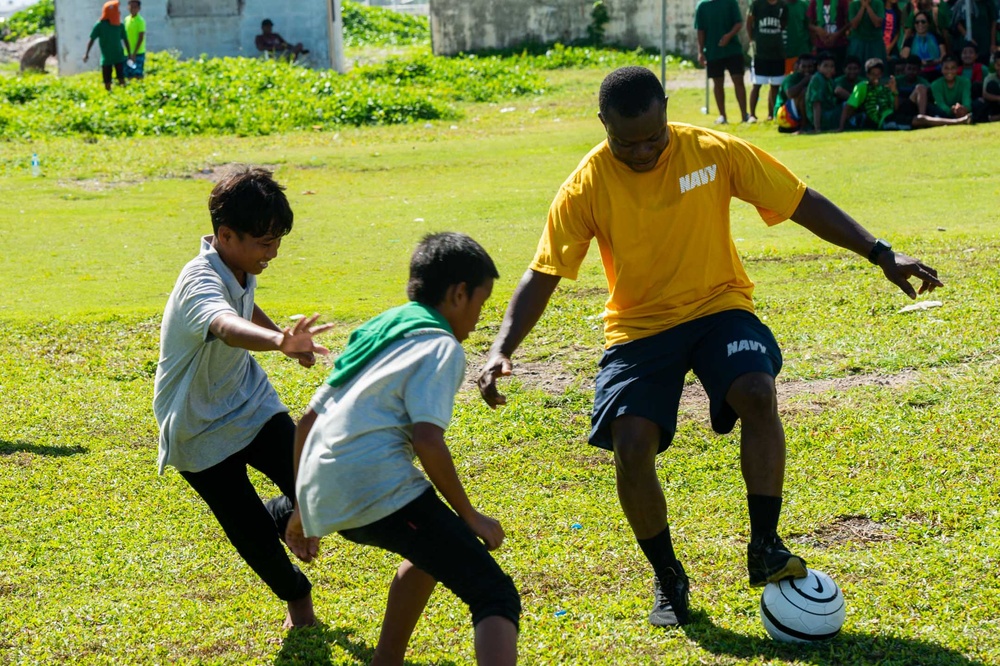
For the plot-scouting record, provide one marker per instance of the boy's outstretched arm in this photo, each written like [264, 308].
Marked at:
[261, 334]
[428, 444]
[823, 218]
[305, 548]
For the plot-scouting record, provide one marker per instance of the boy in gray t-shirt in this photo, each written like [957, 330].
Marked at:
[389, 398]
[216, 409]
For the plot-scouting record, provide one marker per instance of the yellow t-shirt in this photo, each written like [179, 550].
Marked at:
[664, 235]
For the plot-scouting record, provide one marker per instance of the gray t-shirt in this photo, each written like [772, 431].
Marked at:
[356, 465]
[209, 399]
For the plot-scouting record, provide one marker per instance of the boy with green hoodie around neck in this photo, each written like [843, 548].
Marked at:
[389, 398]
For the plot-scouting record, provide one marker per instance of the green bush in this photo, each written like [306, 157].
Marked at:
[39, 18]
[376, 26]
[254, 97]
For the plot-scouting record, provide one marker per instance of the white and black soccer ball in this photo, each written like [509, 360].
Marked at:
[802, 610]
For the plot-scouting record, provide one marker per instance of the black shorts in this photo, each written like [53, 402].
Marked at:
[765, 67]
[645, 377]
[119, 72]
[733, 64]
[437, 541]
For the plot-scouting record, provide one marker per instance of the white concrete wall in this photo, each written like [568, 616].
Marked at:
[471, 25]
[229, 31]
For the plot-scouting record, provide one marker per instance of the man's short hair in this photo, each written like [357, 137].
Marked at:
[805, 57]
[630, 91]
[913, 59]
[249, 201]
[137, 2]
[267, 22]
[852, 60]
[824, 56]
[445, 259]
[950, 58]
[872, 63]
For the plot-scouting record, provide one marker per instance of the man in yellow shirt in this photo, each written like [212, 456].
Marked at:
[656, 197]
[135, 29]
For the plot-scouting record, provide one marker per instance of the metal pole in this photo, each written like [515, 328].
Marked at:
[663, 43]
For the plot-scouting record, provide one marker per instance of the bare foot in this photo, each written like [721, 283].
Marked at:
[305, 548]
[300, 613]
[966, 119]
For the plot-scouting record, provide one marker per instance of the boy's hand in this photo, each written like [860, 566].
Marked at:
[297, 341]
[892, 84]
[305, 548]
[496, 366]
[485, 528]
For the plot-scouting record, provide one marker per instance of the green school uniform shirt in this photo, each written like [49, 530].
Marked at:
[877, 102]
[768, 20]
[842, 82]
[133, 26]
[109, 39]
[797, 40]
[960, 93]
[820, 90]
[866, 30]
[716, 18]
[792, 79]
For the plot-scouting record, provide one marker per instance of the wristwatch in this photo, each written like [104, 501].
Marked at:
[877, 250]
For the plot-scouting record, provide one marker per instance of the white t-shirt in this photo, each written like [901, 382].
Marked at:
[356, 465]
[209, 399]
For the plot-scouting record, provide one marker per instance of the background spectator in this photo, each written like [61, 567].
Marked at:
[892, 25]
[883, 107]
[984, 26]
[925, 45]
[991, 91]
[766, 21]
[135, 30]
[789, 108]
[271, 42]
[865, 38]
[110, 35]
[828, 26]
[952, 93]
[843, 85]
[797, 38]
[822, 105]
[718, 22]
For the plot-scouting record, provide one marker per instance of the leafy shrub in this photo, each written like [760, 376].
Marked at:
[246, 96]
[39, 18]
[377, 26]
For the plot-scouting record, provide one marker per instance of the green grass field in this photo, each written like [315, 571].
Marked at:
[892, 484]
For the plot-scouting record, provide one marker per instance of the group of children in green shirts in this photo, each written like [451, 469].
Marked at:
[894, 97]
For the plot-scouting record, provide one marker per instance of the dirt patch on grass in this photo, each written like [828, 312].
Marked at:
[846, 530]
[215, 172]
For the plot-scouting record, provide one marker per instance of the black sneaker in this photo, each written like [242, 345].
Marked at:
[670, 607]
[768, 561]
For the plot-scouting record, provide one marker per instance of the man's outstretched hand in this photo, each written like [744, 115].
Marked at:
[899, 268]
[305, 548]
[496, 366]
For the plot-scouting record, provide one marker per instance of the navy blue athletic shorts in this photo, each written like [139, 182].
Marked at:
[645, 377]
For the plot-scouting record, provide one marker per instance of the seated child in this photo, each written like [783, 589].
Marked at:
[991, 91]
[972, 69]
[843, 85]
[822, 105]
[952, 93]
[911, 77]
[883, 108]
[790, 104]
[390, 396]
[271, 42]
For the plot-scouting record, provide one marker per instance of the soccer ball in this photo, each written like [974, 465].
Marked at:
[802, 610]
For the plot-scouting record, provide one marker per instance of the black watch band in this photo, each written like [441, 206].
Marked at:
[878, 248]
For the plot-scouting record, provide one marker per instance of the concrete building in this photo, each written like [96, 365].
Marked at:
[472, 25]
[211, 27]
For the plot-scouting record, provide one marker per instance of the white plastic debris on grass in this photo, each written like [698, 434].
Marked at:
[922, 305]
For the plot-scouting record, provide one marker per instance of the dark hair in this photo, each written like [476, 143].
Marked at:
[248, 201]
[444, 259]
[138, 2]
[872, 63]
[824, 56]
[950, 58]
[852, 59]
[266, 22]
[630, 91]
[913, 59]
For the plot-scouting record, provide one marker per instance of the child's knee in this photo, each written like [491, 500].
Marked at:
[499, 597]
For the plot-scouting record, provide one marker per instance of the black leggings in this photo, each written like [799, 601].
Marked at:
[119, 73]
[437, 541]
[253, 527]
